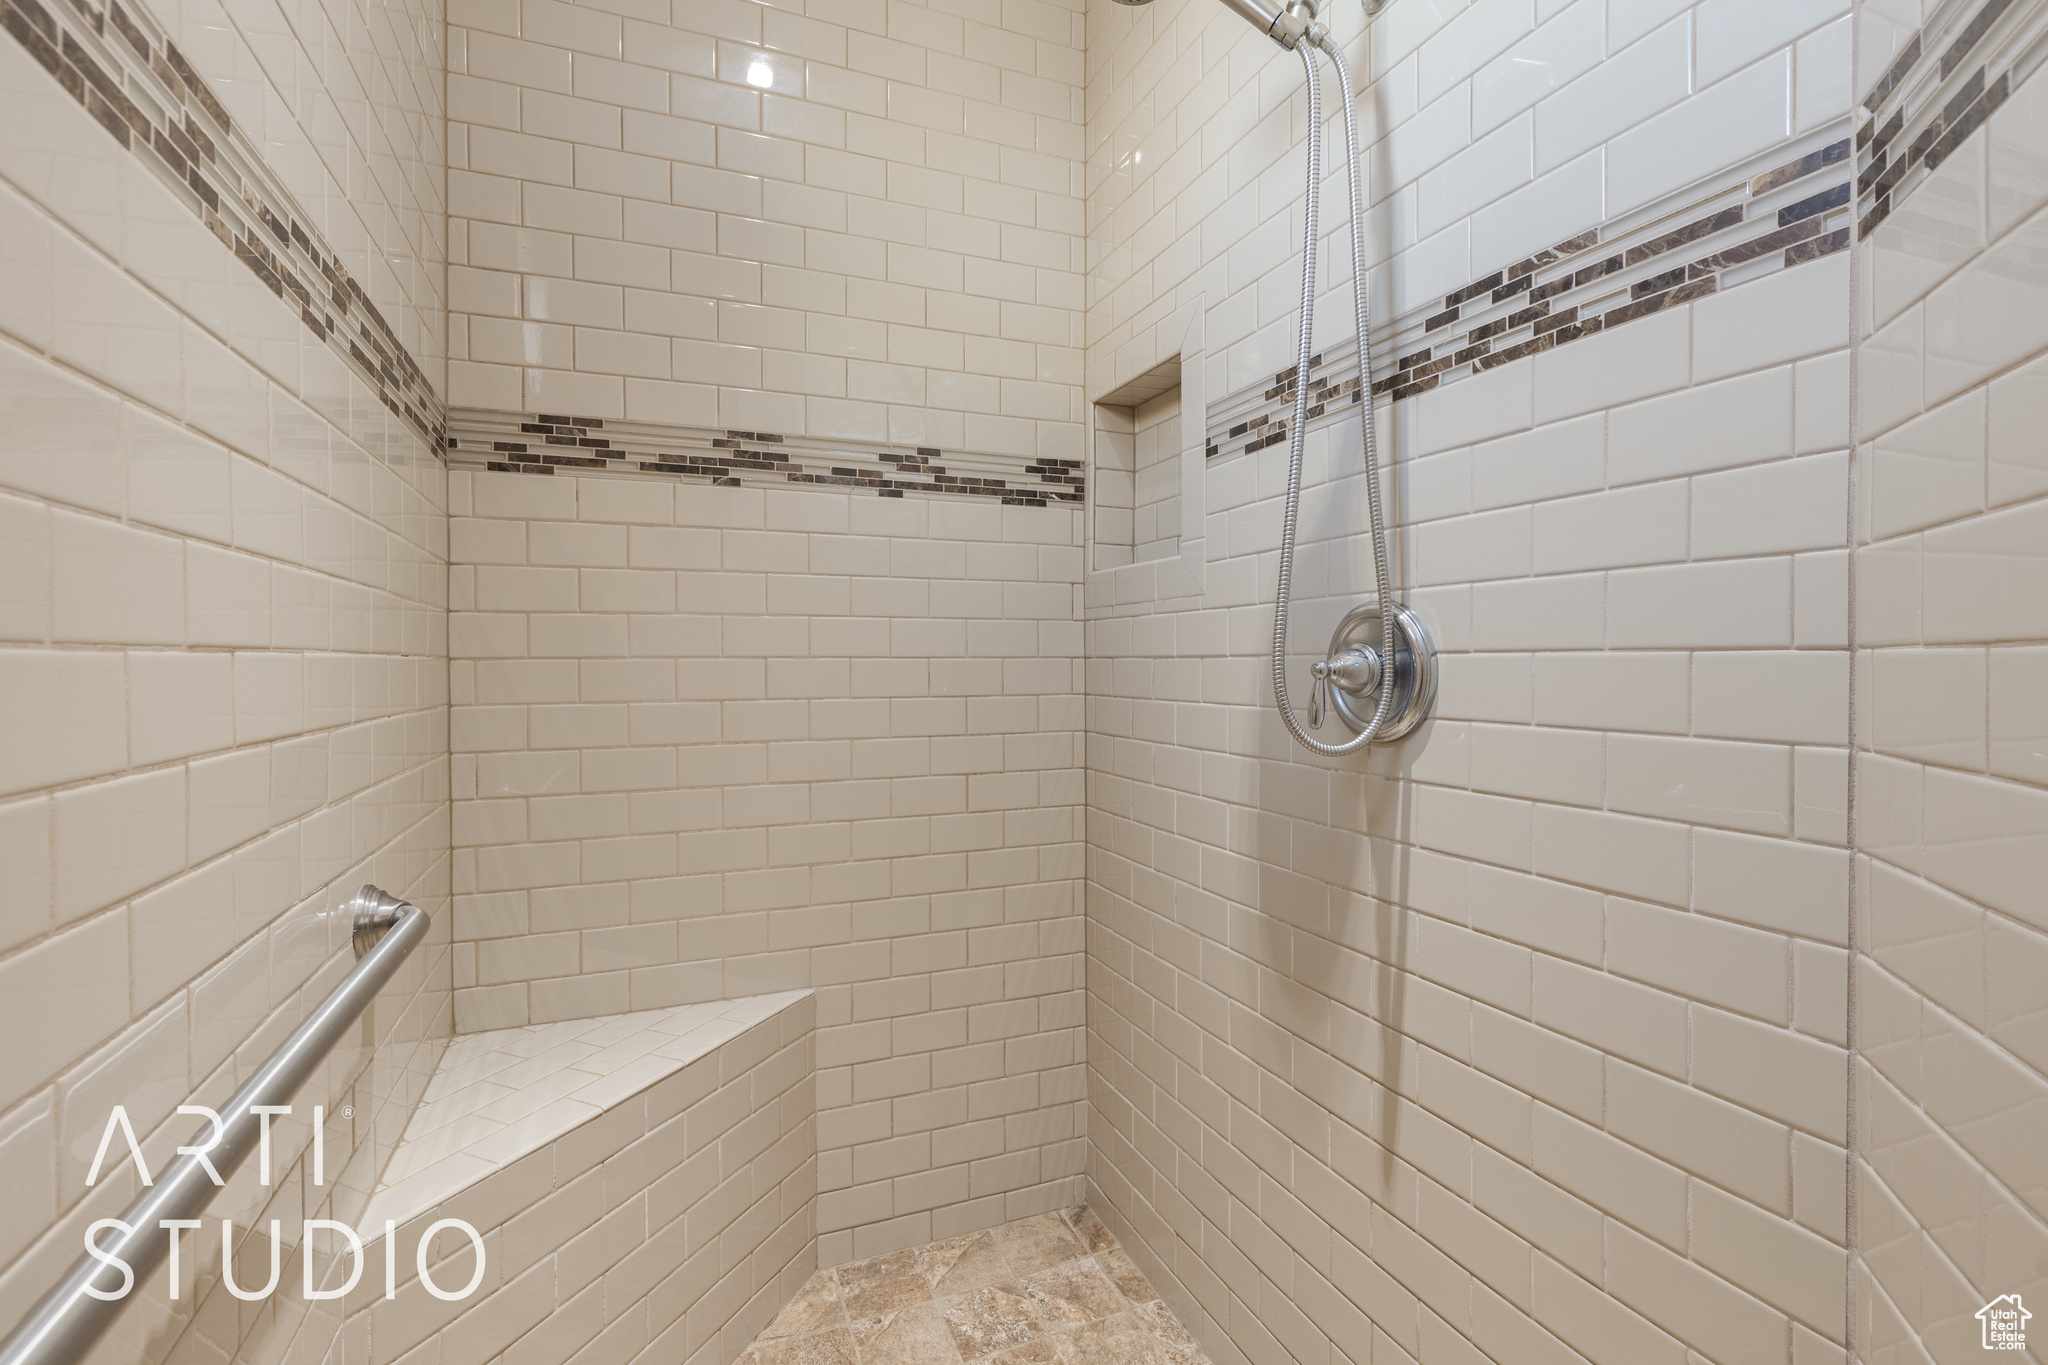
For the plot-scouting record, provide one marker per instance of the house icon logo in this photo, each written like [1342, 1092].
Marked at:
[2005, 1323]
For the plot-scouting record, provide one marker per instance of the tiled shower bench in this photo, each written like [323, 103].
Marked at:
[643, 1184]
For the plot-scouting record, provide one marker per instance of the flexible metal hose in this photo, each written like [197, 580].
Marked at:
[1299, 434]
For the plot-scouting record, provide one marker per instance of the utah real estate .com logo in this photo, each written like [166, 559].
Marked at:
[2005, 1323]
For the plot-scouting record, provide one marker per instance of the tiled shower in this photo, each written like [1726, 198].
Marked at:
[761, 519]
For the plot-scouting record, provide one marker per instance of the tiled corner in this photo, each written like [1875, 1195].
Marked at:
[714, 740]
[1951, 805]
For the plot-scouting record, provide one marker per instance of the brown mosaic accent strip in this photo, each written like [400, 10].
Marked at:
[1798, 169]
[1266, 430]
[136, 84]
[1593, 282]
[543, 443]
[1909, 57]
[1923, 107]
[1980, 24]
[1691, 232]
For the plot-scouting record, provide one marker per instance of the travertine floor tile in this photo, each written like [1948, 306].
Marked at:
[1074, 1292]
[993, 1319]
[1127, 1276]
[1054, 1289]
[958, 1264]
[816, 1307]
[883, 1284]
[1032, 1244]
[915, 1333]
[1092, 1233]
[1175, 1342]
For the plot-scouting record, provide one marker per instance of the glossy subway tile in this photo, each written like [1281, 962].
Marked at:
[142, 90]
[1939, 91]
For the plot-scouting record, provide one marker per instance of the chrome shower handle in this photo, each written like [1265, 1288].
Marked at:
[1357, 669]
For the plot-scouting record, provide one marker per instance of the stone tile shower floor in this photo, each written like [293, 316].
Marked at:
[1054, 1289]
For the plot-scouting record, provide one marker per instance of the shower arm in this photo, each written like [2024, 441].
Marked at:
[1286, 25]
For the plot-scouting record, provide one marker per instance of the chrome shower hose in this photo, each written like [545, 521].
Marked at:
[1299, 432]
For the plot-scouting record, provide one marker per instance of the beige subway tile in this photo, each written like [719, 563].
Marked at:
[1739, 786]
[1617, 1016]
[1782, 1264]
[1693, 1304]
[510, 496]
[1927, 937]
[567, 543]
[1798, 1080]
[629, 590]
[1613, 852]
[1733, 1147]
[1700, 957]
[112, 584]
[64, 996]
[1772, 883]
[114, 838]
[627, 680]
[179, 705]
[1799, 696]
[1617, 1179]
[1552, 1068]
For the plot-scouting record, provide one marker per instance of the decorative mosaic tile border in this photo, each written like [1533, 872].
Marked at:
[133, 80]
[1769, 220]
[542, 443]
[1923, 107]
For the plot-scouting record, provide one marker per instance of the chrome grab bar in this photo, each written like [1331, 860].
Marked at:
[67, 1321]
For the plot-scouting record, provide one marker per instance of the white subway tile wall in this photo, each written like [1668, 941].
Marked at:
[1527, 1039]
[224, 642]
[855, 219]
[711, 742]
[1950, 799]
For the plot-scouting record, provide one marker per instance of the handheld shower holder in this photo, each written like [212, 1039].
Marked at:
[1381, 650]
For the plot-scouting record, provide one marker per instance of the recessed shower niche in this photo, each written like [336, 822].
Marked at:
[1136, 481]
